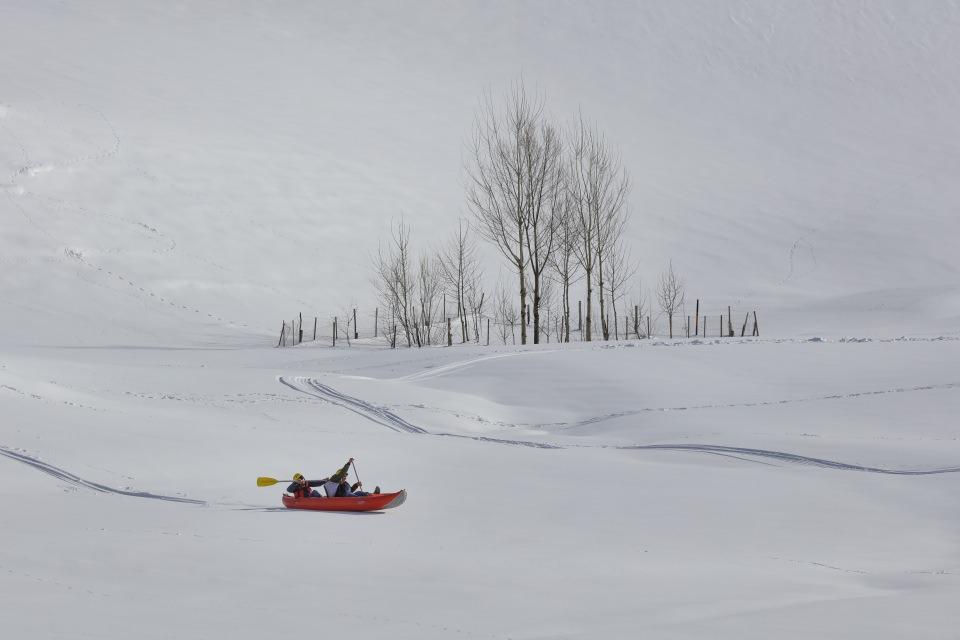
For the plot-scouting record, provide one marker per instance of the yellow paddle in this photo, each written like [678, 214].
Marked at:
[263, 481]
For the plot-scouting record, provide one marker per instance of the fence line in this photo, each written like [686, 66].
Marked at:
[348, 327]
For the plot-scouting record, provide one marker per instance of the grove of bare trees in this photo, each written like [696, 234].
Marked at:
[552, 202]
[551, 207]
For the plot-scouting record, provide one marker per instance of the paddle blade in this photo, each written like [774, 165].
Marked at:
[266, 482]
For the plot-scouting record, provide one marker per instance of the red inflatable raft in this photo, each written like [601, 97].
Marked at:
[376, 502]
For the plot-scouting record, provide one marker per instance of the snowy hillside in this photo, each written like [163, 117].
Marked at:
[178, 178]
[240, 160]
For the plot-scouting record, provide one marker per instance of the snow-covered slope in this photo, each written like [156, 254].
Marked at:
[673, 491]
[238, 161]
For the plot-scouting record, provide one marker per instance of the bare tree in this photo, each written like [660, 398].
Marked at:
[428, 296]
[546, 200]
[394, 279]
[564, 261]
[548, 294]
[619, 268]
[506, 315]
[459, 268]
[579, 179]
[476, 298]
[598, 186]
[670, 294]
[510, 169]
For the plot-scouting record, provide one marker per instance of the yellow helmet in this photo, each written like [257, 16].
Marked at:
[297, 477]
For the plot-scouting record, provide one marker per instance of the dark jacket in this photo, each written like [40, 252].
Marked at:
[341, 475]
[299, 491]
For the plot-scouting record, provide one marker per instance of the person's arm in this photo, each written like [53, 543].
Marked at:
[341, 475]
[293, 487]
[316, 483]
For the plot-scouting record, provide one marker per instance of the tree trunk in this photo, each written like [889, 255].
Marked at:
[536, 308]
[589, 322]
[604, 326]
[523, 294]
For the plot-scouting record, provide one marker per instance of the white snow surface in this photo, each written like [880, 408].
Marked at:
[177, 178]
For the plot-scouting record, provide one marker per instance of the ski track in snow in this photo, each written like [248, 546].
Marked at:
[384, 417]
[763, 403]
[561, 426]
[77, 481]
[782, 456]
[376, 414]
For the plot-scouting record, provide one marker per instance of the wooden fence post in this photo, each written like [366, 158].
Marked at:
[580, 317]
[488, 332]
[376, 314]
[356, 334]
[743, 331]
[648, 327]
[314, 328]
[688, 326]
[696, 321]
[334, 331]
[729, 322]
[283, 328]
[301, 328]
[449, 333]
[756, 327]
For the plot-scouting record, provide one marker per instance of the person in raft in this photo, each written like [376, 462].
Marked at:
[302, 488]
[334, 486]
[337, 485]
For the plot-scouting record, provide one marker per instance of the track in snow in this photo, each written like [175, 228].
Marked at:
[744, 452]
[66, 476]
[370, 412]
[561, 426]
[390, 420]
[763, 403]
[383, 416]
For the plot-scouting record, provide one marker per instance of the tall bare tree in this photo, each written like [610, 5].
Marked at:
[619, 268]
[598, 186]
[546, 200]
[670, 294]
[510, 169]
